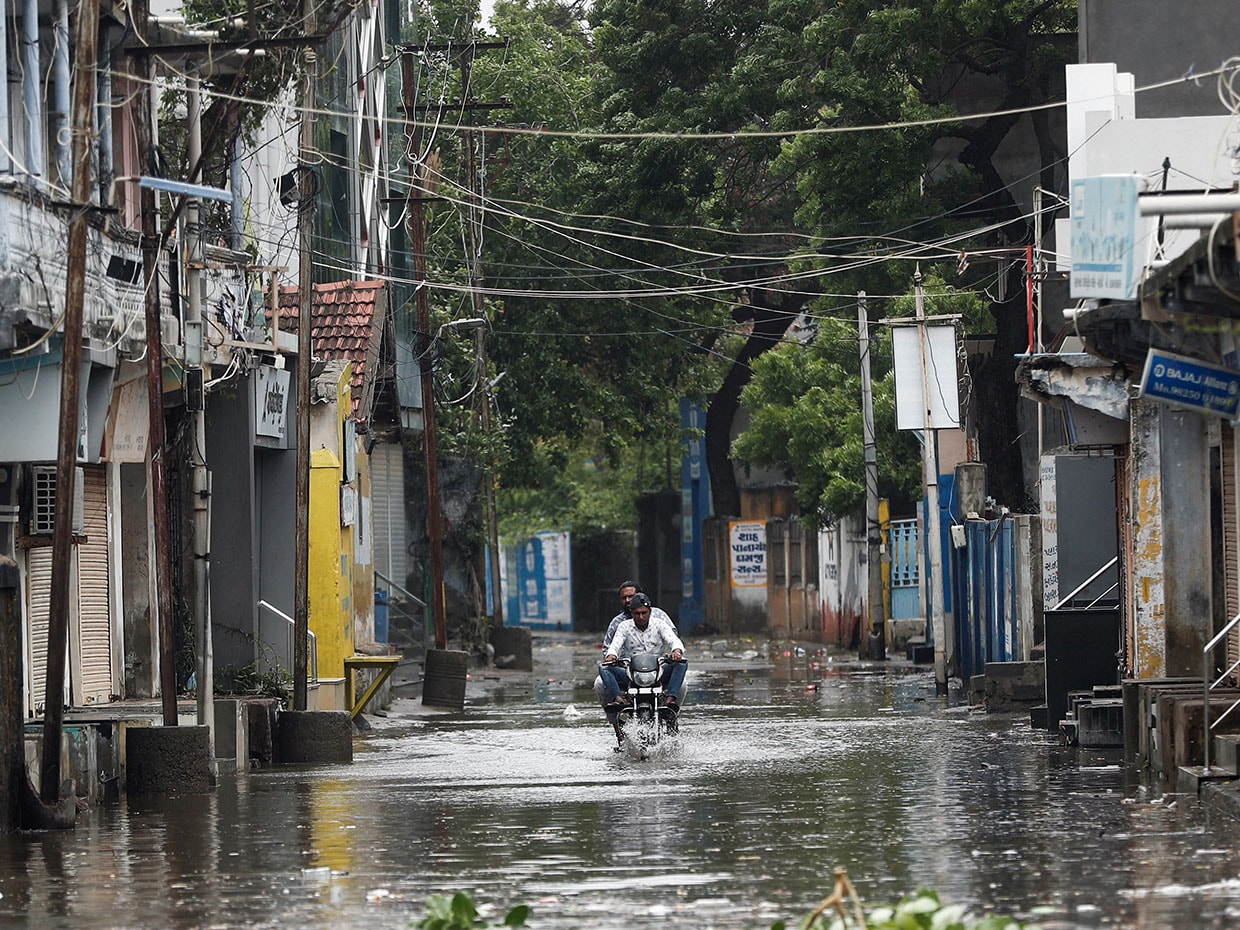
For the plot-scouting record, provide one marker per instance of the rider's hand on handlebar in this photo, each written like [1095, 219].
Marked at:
[677, 655]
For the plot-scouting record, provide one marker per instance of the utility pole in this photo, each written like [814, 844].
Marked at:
[474, 184]
[86, 34]
[874, 645]
[196, 402]
[417, 227]
[305, 352]
[930, 475]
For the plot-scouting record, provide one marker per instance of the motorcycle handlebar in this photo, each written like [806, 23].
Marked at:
[663, 658]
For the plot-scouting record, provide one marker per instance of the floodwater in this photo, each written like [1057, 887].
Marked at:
[737, 823]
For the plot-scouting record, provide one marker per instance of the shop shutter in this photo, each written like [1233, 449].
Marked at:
[1231, 564]
[38, 604]
[94, 654]
[387, 483]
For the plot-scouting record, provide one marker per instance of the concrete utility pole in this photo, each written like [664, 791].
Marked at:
[874, 644]
[930, 474]
[305, 352]
[86, 34]
[196, 400]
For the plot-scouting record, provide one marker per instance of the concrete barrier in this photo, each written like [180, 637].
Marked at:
[167, 761]
[1014, 686]
[313, 736]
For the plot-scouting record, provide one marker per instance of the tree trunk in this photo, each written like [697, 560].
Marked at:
[773, 313]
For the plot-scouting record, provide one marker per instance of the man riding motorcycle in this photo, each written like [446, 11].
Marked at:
[642, 633]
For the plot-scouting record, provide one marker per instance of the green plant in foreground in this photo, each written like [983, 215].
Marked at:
[458, 913]
[921, 910]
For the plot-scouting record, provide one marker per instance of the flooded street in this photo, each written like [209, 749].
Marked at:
[781, 773]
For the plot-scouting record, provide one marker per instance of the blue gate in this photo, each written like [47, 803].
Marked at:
[984, 583]
[905, 579]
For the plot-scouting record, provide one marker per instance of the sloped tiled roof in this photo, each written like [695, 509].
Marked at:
[347, 319]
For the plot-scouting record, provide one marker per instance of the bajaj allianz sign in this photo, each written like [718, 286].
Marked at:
[1189, 383]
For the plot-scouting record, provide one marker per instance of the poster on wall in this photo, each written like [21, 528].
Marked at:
[542, 567]
[747, 545]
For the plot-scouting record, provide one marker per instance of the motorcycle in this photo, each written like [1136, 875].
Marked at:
[646, 719]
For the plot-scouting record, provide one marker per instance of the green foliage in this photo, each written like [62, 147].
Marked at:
[775, 226]
[922, 910]
[805, 415]
[458, 913]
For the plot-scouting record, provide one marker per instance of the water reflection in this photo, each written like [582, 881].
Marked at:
[779, 776]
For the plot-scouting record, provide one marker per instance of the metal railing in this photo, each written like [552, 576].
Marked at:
[1208, 686]
[1067, 598]
[313, 640]
[414, 631]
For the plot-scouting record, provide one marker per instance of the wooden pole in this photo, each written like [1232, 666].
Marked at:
[12, 739]
[86, 35]
[305, 353]
[417, 230]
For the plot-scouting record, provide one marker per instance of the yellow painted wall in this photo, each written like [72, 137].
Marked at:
[328, 590]
[331, 582]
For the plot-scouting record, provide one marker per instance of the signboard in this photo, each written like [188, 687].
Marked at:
[1187, 382]
[543, 572]
[747, 544]
[940, 377]
[1104, 231]
[271, 402]
[128, 423]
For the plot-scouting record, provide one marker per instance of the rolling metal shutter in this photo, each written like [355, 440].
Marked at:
[38, 603]
[387, 483]
[94, 654]
[1231, 564]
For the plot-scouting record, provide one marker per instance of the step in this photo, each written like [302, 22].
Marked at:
[1101, 723]
[1190, 778]
[1227, 752]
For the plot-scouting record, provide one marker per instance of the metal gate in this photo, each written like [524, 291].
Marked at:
[905, 575]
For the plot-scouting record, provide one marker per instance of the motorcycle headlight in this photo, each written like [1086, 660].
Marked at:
[645, 679]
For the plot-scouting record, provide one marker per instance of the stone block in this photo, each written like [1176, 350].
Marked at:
[167, 761]
[1014, 686]
[313, 736]
[1101, 723]
[1186, 744]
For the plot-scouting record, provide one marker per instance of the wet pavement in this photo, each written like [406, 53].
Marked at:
[786, 767]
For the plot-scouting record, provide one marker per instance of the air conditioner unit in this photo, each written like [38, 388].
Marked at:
[43, 512]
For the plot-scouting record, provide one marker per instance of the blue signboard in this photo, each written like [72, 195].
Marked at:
[1191, 383]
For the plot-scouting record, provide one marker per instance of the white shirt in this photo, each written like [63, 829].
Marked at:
[659, 636]
[656, 613]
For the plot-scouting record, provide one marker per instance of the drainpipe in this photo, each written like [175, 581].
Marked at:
[60, 75]
[6, 164]
[103, 119]
[30, 89]
[234, 184]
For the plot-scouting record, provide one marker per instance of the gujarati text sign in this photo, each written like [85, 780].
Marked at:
[747, 543]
